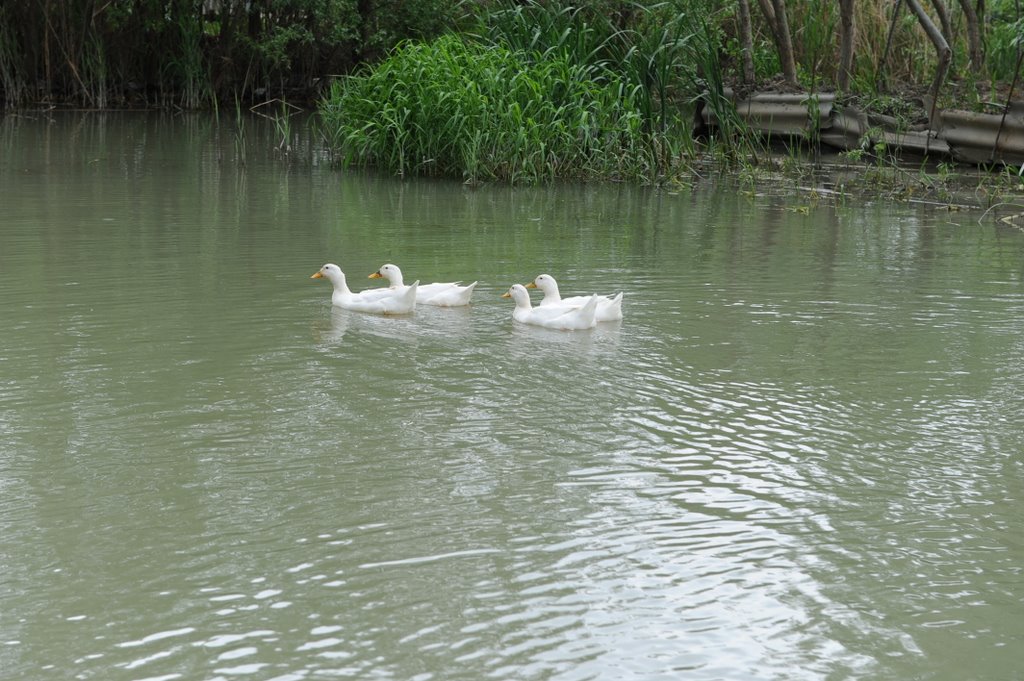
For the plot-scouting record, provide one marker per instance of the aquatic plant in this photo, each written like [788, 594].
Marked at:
[484, 112]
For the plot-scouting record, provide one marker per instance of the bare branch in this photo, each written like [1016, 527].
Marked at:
[945, 54]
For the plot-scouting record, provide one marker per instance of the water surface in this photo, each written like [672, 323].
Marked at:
[799, 456]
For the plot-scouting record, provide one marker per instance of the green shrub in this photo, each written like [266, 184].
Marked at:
[479, 112]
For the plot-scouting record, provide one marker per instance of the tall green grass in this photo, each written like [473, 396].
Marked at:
[1005, 38]
[667, 54]
[485, 112]
[732, 141]
[187, 69]
[645, 46]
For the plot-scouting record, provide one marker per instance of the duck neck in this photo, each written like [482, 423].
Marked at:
[396, 280]
[340, 284]
[551, 294]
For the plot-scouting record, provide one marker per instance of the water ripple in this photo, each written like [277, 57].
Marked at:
[796, 458]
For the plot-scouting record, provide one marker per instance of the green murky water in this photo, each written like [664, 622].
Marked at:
[799, 456]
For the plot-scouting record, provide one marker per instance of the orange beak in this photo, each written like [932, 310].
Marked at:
[318, 275]
[530, 285]
[375, 275]
[506, 294]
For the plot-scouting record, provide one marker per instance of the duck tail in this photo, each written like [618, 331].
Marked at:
[410, 294]
[614, 309]
[467, 293]
[589, 310]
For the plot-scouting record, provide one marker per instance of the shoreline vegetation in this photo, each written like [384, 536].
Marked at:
[535, 91]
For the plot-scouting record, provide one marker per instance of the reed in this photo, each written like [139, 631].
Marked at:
[1005, 39]
[818, 40]
[734, 142]
[484, 112]
[187, 67]
[13, 85]
[668, 54]
[240, 136]
[279, 113]
[644, 45]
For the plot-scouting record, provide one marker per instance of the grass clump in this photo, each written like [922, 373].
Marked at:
[486, 112]
[668, 55]
[647, 51]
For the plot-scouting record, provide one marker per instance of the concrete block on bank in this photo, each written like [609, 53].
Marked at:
[985, 138]
[779, 113]
[962, 135]
[847, 130]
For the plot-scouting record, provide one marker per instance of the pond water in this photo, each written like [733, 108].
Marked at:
[799, 456]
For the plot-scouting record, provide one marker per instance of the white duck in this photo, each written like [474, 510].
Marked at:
[552, 316]
[440, 294]
[379, 302]
[608, 308]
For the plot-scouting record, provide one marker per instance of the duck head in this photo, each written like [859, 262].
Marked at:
[519, 294]
[545, 282]
[391, 273]
[330, 271]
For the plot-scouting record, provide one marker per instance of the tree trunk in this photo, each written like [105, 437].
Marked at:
[974, 28]
[784, 42]
[847, 35]
[747, 42]
[769, 17]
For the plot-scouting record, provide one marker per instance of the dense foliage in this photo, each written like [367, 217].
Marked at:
[192, 53]
[512, 89]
